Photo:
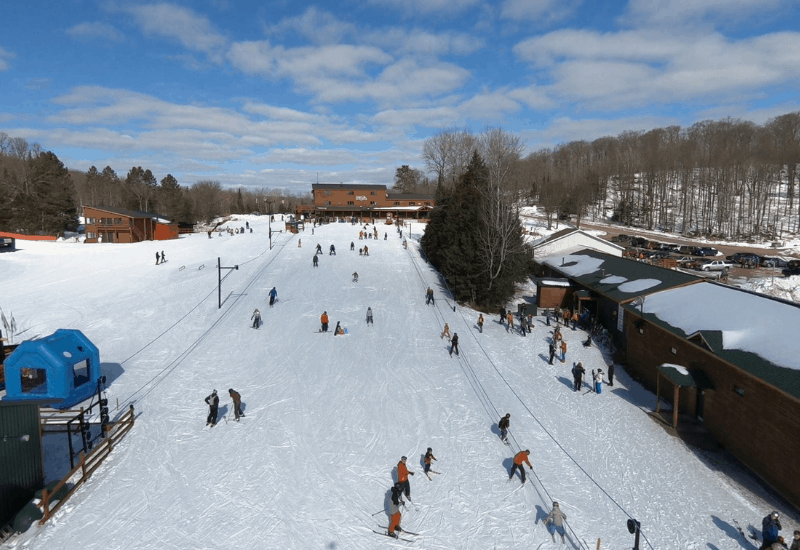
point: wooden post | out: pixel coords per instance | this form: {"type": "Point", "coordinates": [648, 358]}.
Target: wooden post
{"type": "Point", "coordinates": [658, 394]}
{"type": "Point", "coordinates": [675, 404]}
{"type": "Point", "coordinates": [598, 544]}
{"type": "Point", "coordinates": [83, 465]}
{"type": "Point", "coordinates": [45, 504]}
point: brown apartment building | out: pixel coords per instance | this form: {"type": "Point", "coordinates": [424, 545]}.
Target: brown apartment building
{"type": "Point", "coordinates": [117, 225]}
{"type": "Point", "coordinates": [337, 200]}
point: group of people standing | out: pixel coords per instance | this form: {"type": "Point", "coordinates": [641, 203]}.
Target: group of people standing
{"type": "Point", "coordinates": [213, 406]}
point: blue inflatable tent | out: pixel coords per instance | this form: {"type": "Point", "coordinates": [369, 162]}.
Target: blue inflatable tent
{"type": "Point", "coordinates": [62, 368]}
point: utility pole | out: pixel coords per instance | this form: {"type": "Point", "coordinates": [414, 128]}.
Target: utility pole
{"type": "Point", "coordinates": [219, 275]}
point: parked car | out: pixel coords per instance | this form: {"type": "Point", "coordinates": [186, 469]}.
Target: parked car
{"type": "Point", "coordinates": [792, 268]}
{"type": "Point", "coordinates": [686, 261]}
{"type": "Point", "coordinates": [767, 261]}
{"type": "Point", "coordinates": [746, 258]}
{"type": "Point", "coordinates": [686, 249]}
{"type": "Point", "coordinates": [716, 265]}
{"type": "Point", "coordinates": [706, 251]}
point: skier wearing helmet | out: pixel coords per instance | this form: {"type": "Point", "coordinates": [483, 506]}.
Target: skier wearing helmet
{"type": "Point", "coordinates": [556, 520]}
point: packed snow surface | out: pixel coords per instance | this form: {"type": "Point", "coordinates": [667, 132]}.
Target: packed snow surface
{"type": "Point", "coordinates": [328, 417]}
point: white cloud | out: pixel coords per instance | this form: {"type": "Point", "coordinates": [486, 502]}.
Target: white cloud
{"type": "Point", "coordinates": [315, 25]}
{"type": "Point", "coordinates": [311, 157]}
{"type": "Point", "coordinates": [694, 12]}
{"type": "Point", "coordinates": [422, 42]}
{"type": "Point", "coordinates": [542, 11]}
{"type": "Point", "coordinates": [635, 68]}
{"type": "Point", "coordinates": [193, 31]}
{"type": "Point", "coordinates": [489, 106]}
{"type": "Point", "coordinates": [95, 29]}
{"type": "Point", "coordinates": [534, 97]}
{"type": "Point", "coordinates": [428, 6]}
{"type": "Point", "coordinates": [5, 59]}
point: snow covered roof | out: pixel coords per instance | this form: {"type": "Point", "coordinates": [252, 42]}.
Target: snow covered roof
{"type": "Point", "coordinates": [546, 281]}
{"type": "Point", "coordinates": [586, 237]}
{"type": "Point", "coordinates": [754, 332]}
{"type": "Point", "coordinates": [619, 279]}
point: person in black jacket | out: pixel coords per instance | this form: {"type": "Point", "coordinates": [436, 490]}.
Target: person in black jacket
{"type": "Point", "coordinates": [770, 526]}
{"type": "Point", "coordinates": [454, 344]}
{"type": "Point", "coordinates": [504, 424]}
{"type": "Point", "coordinates": [213, 408]}
{"type": "Point", "coordinates": [577, 376]}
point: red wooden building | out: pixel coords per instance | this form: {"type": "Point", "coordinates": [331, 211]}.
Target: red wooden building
{"type": "Point", "coordinates": [117, 225]}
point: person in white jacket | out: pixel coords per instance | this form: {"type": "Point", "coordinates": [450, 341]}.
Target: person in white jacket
{"type": "Point", "coordinates": [598, 380]}
{"type": "Point", "coordinates": [556, 520]}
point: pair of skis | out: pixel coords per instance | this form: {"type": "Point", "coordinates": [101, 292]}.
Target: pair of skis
{"type": "Point", "coordinates": [386, 534]}
{"type": "Point", "coordinates": [430, 472]}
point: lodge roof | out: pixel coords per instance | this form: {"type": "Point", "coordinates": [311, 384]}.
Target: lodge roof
{"type": "Point", "coordinates": [409, 196]}
{"type": "Point", "coordinates": [126, 212]}
{"type": "Point", "coordinates": [761, 336]}
{"type": "Point", "coordinates": [353, 186]}
{"type": "Point", "coordinates": [619, 279]}
{"type": "Point", "coordinates": [569, 231]}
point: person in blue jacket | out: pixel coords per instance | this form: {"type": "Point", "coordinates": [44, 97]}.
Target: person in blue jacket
{"type": "Point", "coordinates": [273, 294]}
{"type": "Point", "coordinates": [770, 526]}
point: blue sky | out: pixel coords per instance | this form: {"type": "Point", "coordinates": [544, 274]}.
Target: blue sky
{"type": "Point", "coordinates": [280, 94]}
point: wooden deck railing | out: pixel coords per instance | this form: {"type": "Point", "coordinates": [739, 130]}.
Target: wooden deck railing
{"type": "Point", "coordinates": [88, 464]}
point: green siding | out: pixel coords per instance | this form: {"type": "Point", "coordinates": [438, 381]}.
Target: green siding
{"type": "Point", "coordinates": [21, 469]}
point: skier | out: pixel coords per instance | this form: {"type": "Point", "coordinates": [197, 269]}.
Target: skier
{"type": "Point", "coordinates": [557, 314]}
{"type": "Point", "coordinates": [256, 318]}
{"type": "Point", "coordinates": [157, 257]}
{"type": "Point", "coordinates": [547, 316]}
{"type": "Point", "coordinates": [598, 380]}
{"type": "Point", "coordinates": [446, 332]}
{"type": "Point", "coordinates": [510, 319]}
{"type": "Point", "coordinates": [480, 323]}
{"type": "Point", "coordinates": [324, 320]}
{"type": "Point", "coordinates": [299, 243]}
{"type": "Point", "coordinates": [611, 374]}
{"type": "Point", "coordinates": [523, 324]}
{"type": "Point", "coordinates": [454, 344]}
{"type": "Point", "coordinates": [213, 408]}
{"type": "Point", "coordinates": [405, 244]}
{"type": "Point", "coordinates": [402, 477]}
{"type": "Point", "coordinates": [369, 316]}
{"type": "Point", "coordinates": [427, 460]}
{"type": "Point", "coordinates": [366, 250]}
{"type": "Point", "coordinates": [504, 424]}
{"type": "Point", "coordinates": [355, 276]}
{"type": "Point", "coordinates": [563, 350]}
{"type": "Point", "coordinates": [552, 350]}
{"type": "Point", "coordinates": [352, 246]}
{"type": "Point", "coordinates": [332, 251]}
{"type": "Point", "coordinates": [237, 403]}
{"type": "Point", "coordinates": [247, 224]}
{"type": "Point", "coordinates": [556, 520]}
{"type": "Point", "coordinates": [577, 376]}
{"type": "Point", "coordinates": [316, 261]}
{"type": "Point", "coordinates": [319, 248]}
{"type": "Point", "coordinates": [385, 236]}
{"type": "Point", "coordinates": [338, 330]}
{"type": "Point", "coordinates": [770, 526]}
{"type": "Point", "coordinates": [429, 296]}
{"type": "Point", "coordinates": [163, 257]}
{"type": "Point", "coordinates": [502, 315]}
{"type": "Point", "coordinates": [273, 294]}
{"type": "Point", "coordinates": [520, 459]}
{"type": "Point", "coordinates": [394, 509]}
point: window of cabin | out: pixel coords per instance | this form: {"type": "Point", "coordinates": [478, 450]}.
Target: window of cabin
{"type": "Point", "coordinates": [373, 203]}
{"type": "Point", "coordinates": [80, 373]}
{"type": "Point", "coordinates": [33, 381]}
{"type": "Point", "coordinates": [373, 193]}
{"type": "Point", "coordinates": [397, 203]}
{"type": "Point", "coordinates": [412, 203]}
{"type": "Point", "coordinates": [351, 193]}
{"type": "Point", "coordinates": [350, 203]}
{"type": "Point", "coordinates": [327, 203]}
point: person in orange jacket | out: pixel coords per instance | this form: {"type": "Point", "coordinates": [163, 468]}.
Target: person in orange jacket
{"type": "Point", "coordinates": [324, 320]}
{"type": "Point", "coordinates": [402, 477]}
{"type": "Point", "coordinates": [394, 510]}
{"type": "Point", "coordinates": [520, 459]}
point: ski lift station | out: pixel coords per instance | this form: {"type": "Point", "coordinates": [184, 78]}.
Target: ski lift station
{"type": "Point", "coordinates": [62, 369]}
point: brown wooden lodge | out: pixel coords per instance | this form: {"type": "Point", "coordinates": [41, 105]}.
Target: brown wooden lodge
{"type": "Point", "coordinates": [365, 202]}
{"type": "Point", "coordinates": [117, 225]}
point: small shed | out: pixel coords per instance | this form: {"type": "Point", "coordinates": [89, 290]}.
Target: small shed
{"type": "Point", "coordinates": [551, 292]}
{"type": "Point", "coordinates": [62, 368]}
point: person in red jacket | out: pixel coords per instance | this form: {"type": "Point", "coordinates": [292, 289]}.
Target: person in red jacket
{"type": "Point", "coordinates": [520, 459]}
{"type": "Point", "coordinates": [402, 477]}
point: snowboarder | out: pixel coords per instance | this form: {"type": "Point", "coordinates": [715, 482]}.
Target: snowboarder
{"type": "Point", "coordinates": [429, 296]}
{"type": "Point", "coordinates": [273, 294]}
{"type": "Point", "coordinates": [454, 344]}
{"type": "Point", "coordinates": [366, 250]}
{"type": "Point", "coordinates": [577, 376]}
{"type": "Point", "coordinates": [213, 408]}
{"type": "Point", "coordinates": [598, 380]}
{"type": "Point", "coordinates": [552, 350]}
{"type": "Point", "coordinates": [157, 257]}
{"type": "Point", "coordinates": [770, 526]}
{"type": "Point", "coordinates": [446, 332]}
{"type": "Point", "coordinates": [163, 257]}
{"type": "Point", "coordinates": [563, 350]}
{"type": "Point", "coordinates": [611, 374]}
{"type": "Point", "coordinates": [556, 520]}
{"type": "Point", "coordinates": [319, 248]}
{"type": "Point", "coordinates": [324, 320]}
{"type": "Point", "coordinates": [355, 276]}
{"type": "Point", "coordinates": [316, 260]}
{"type": "Point", "coordinates": [402, 477]}
{"type": "Point", "coordinates": [237, 403]}
{"type": "Point", "coordinates": [427, 460]}
{"type": "Point", "coordinates": [480, 323]}
{"type": "Point", "coordinates": [369, 316]}
{"type": "Point", "coordinates": [352, 246]}
{"type": "Point", "coordinates": [394, 510]}
{"type": "Point", "coordinates": [504, 424]}
{"type": "Point", "coordinates": [520, 459]}
{"type": "Point", "coordinates": [338, 330]}
{"type": "Point", "coordinates": [256, 318]}
{"type": "Point", "coordinates": [332, 251]}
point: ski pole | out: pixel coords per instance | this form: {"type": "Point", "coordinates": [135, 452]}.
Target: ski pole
{"type": "Point", "coordinates": [378, 512]}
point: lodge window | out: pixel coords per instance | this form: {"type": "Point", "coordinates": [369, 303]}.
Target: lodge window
{"type": "Point", "coordinates": [90, 221]}
{"type": "Point", "coordinates": [117, 221]}
{"type": "Point", "coordinates": [33, 380]}
{"type": "Point", "coordinates": [412, 203]}
{"type": "Point", "coordinates": [350, 203]}
{"type": "Point", "coordinates": [427, 204]}
{"type": "Point", "coordinates": [373, 193]}
{"type": "Point", "coordinates": [351, 192]}
{"type": "Point", "coordinates": [327, 203]}
{"type": "Point", "coordinates": [397, 203]}
{"type": "Point", "coordinates": [373, 203]}
{"type": "Point", "coordinates": [673, 351]}
{"type": "Point", "coordinates": [91, 235]}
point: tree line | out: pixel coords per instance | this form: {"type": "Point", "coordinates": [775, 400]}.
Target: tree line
{"type": "Point", "coordinates": [39, 195]}
{"type": "Point", "coordinates": [727, 179]}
